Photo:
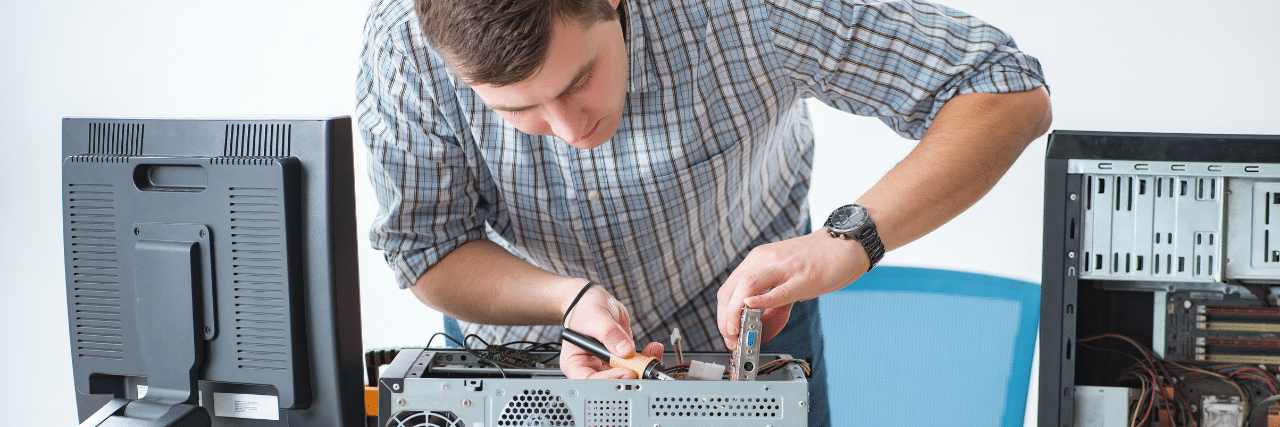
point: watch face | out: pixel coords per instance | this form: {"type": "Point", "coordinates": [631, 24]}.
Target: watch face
{"type": "Point", "coordinates": [847, 217]}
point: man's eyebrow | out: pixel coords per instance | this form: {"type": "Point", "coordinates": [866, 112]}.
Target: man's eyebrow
{"type": "Point", "coordinates": [582, 73]}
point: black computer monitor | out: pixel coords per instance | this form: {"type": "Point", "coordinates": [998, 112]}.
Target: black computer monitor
{"type": "Point", "coordinates": [211, 271]}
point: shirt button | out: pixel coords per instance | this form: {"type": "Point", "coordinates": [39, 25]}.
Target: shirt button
{"type": "Point", "coordinates": [608, 253]}
{"type": "Point", "coordinates": [593, 195]}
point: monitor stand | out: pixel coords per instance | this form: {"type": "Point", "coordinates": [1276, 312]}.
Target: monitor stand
{"type": "Point", "coordinates": [171, 291]}
{"type": "Point", "coordinates": [139, 413]}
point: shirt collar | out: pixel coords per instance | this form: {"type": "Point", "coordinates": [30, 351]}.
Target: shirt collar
{"type": "Point", "coordinates": [641, 76]}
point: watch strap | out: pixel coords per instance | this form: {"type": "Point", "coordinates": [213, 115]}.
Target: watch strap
{"type": "Point", "coordinates": [870, 240]}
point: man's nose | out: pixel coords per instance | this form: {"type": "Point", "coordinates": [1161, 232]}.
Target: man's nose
{"type": "Point", "coordinates": [567, 122]}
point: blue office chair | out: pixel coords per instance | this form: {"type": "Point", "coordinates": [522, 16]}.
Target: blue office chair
{"type": "Point", "coordinates": [924, 347]}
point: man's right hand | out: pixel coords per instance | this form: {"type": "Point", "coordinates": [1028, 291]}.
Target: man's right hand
{"type": "Point", "coordinates": [600, 316]}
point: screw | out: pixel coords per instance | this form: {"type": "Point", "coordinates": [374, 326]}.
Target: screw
{"type": "Point", "coordinates": [208, 330]}
{"type": "Point", "coordinates": [137, 232]}
{"type": "Point", "coordinates": [802, 403]}
{"type": "Point", "coordinates": [573, 392]}
{"type": "Point", "coordinates": [501, 392]}
{"type": "Point", "coordinates": [1186, 304]}
{"type": "Point", "coordinates": [201, 234]}
{"type": "Point", "coordinates": [395, 387]}
{"type": "Point", "coordinates": [1071, 254]}
{"type": "Point", "coordinates": [444, 386]}
{"type": "Point", "coordinates": [466, 402]}
{"type": "Point", "coordinates": [399, 402]}
{"type": "Point", "coordinates": [1073, 197]}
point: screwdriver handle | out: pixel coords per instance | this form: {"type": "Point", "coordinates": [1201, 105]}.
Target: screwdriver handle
{"type": "Point", "coordinates": [642, 365]}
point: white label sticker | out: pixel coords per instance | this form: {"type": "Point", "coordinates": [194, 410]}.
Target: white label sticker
{"type": "Point", "coordinates": [255, 406]}
{"type": "Point", "coordinates": [142, 391]}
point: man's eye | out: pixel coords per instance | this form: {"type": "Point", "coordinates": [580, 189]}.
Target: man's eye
{"type": "Point", "coordinates": [581, 86]}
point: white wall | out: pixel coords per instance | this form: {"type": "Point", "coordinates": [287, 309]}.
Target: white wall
{"type": "Point", "coordinates": [1129, 65]}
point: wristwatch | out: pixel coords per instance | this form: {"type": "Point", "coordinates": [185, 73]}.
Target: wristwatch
{"type": "Point", "coordinates": [852, 221]}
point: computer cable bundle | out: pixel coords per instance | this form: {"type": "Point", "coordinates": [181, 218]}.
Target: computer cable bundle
{"type": "Point", "coordinates": [1157, 376]}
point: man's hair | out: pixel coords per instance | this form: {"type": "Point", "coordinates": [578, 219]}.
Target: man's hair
{"type": "Point", "coordinates": [500, 42]}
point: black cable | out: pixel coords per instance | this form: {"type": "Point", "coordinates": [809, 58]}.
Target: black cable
{"type": "Point", "coordinates": [473, 353]}
{"type": "Point", "coordinates": [575, 301]}
{"type": "Point", "coordinates": [433, 338]}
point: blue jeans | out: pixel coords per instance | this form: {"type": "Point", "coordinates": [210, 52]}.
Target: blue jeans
{"type": "Point", "coordinates": [801, 338]}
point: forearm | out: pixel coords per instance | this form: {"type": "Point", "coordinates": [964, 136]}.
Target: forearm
{"type": "Point", "coordinates": [483, 283]}
{"type": "Point", "coordinates": [973, 141]}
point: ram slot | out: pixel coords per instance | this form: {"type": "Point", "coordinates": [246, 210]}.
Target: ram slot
{"type": "Point", "coordinates": [1238, 319]}
{"type": "Point", "coordinates": [1249, 351]}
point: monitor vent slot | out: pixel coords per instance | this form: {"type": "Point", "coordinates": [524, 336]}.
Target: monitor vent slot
{"type": "Point", "coordinates": [98, 159]}
{"type": "Point", "coordinates": [96, 314]}
{"type": "Point", "coordinates": [608, 413]}
{"type": "Point", "coordinates": [535, 407]}
{"type": "Point", "coordinates": [257, 140]}
{"type": "Point", "coordinates": [715, 407]}
{"type": "Point", "coordinates": [122, 139]}
{"type": "Point", "coordinates": [242, 161]}
{"type": "Point", "coordinates": [259, 291]}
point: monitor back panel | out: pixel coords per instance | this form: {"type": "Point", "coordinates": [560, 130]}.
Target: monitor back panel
{"type": "Point", "coordinates": [268, 208]}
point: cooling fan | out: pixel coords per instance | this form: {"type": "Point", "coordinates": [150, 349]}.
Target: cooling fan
{"type": "Point", "coordinates": [425, 419]}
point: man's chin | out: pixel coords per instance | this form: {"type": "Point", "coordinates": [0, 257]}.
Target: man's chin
{"type": "Point", "coordinates": [588, 144]}
{"type": "Point", "coordinates": [598, 137]}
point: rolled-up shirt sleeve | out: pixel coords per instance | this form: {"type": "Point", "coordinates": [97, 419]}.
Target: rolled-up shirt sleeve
{"type": "Point", "coordinates": [425, 177]}
{"type": "Point", "coordinates": [899, 61]}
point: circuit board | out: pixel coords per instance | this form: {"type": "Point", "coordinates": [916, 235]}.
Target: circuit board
{"type": "Point", "coordinates": [1221, 328]}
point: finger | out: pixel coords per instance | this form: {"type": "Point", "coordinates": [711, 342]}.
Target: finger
{"type": "Point", "coordinates": [623, 319]}
{"type": "Point", "coordinates": [781, 295]}
{"type": "Point", "coordinates": [606, 320]}
{"type": "Point", "coordinates": [729, 312]}
{"type": "Point", "coordinates": [773, 321]}
{"type": "Point", "coordinates": [617, 338]}
{"type": "Point", "coordinates": [723, 298]}
{"type": "Point", "coordinates": [614, 374]}
{"type": "Point", "coordinates": [580, 365]}
{"type": "Point", "coordinates": [748, 286]}
{"type": "Point", "coordinates": [654, 349]}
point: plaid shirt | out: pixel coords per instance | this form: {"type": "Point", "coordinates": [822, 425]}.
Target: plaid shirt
{"type": "Point", "coordinates": [712, 156]}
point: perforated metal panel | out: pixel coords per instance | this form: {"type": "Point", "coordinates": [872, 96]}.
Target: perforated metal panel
{"type": "Point", "coordinates": [441, 380]}
{"type": "Point", "coordinates": [608, 413]}
{"type": "Point", "coordinates": [697, 407]}
{"type": "Point", "coordinates": [537, 407]}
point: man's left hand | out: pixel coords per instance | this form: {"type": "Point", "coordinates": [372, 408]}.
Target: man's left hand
{"type": "Point", "coordinates": [791, 270]}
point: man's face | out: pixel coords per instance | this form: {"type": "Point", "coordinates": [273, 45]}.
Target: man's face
{"type": "Point", "coordinates": [578, 93]}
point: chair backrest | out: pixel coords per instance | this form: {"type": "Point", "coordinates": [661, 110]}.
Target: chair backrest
{"type": "Point", "coordinates": [923, 347]}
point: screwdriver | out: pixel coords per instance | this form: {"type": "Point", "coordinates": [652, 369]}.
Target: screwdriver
{"type": "Point", "coordinates": [643, 366]}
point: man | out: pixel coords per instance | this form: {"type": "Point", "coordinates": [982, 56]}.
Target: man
{"type": "Point", "coordinates": [661, 149]}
